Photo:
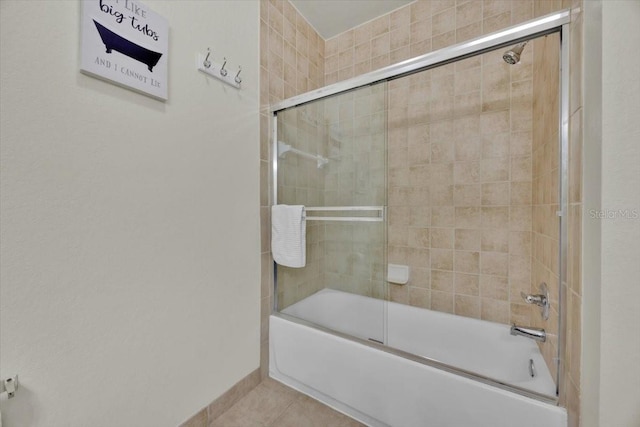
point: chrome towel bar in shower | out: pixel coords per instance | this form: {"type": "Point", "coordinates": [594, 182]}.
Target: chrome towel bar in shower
{"type": "Point", "coordinates": [379, 210]}
{"type": "Point", "coordinates": [286, 148]}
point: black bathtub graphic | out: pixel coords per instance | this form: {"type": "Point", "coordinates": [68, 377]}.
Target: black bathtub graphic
{"type": "Point", "coordinates": [113, 41]}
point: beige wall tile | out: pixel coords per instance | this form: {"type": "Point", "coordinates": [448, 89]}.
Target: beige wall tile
{"type": "Point", "coordinates": [362, 34]}
{"type": "Point", "coordinates": [468, 13]}
{"type": "Point", "coordinates": [419, 297]}
{"type": "Point", "coordinates": [520, 313]}
{"type": "Point", "coordinates": [400, 54]}
{"type": "Point", "coordinates": [441, 194]}
{"type": "Point", "coordinates": [494, 122]}
{"type": "Point", "coordinates": [574, 336]}
{"type": "Point", "coordinates": [441, 152]}
{"type": "Point", "coordinates": [442, 238]}
{"type": "Point", "coordinates": [521, 11]}
{"type": "Point", "coordinates": [380, 45]}
{"type": "Point", "coordinates": [521, 193]}
{"type": "Point", "coordinates": [521, 168]}
{"type": "Point", "coordinates": [418, 257]}
{"type": "Point", "coordinates": [495, 240]}
{"type": "Point", "coordinates": [421, 48]}
{"type": "Point", "coordinates": [575, 158]}
{"type": "Point", "coordinates": [495, 145]}
{"type": "Point", "coordinates": [380, 26]}
{"type": "Point", "coordinates": [520, 218]}
{"type": "Point", "coordinates": [494, 310]}
{"type": "Point", "coordinates": [400, 18]}
{"type": "Point", "coordinates": [467, 103]}
{"type": "Point", "coordinates": [468, 217]}
{"type": "Point", "coordinates": [399, 293]}
{"type": "Point", "coordinates": [420, 31]}
{"type": "Point", "coordinates": [466, 284]}
{"type": "Point", "coordinates": [496, 193]}
{"type": "Point", "coordinates": [495, 217]}
{"type": "Point", "coordinates": [442, 259]}
{"type": "Point", "coordinates": [495, 7]}
{"type": "Point", "coordinates": [467, 306]}
{"type": "Point", "coordinates": [494, 287]}
{"type": "Point", "coordinates": [442, 281]}
{"type": "Point", "coordinates": [466, 261]}
{"type": "Point", "coordinates": [466, 239]}
{"type": "Point", "coordinates": [346, 41]}
{"type": "Point", "coordinates": [469, 32]}
{"type": "Point", "coordinates": [466, 172]}
{"type": "Point", "coordinates": [521, 143]}
{"type": "Point", "coordinates": [494, 263]}
{"type": "Point", "coordinates": [443, 40]}
{"type": "Point", "coordinates": [420, 217]}
{"type": "Point", "coordinates": [467, 195]}
{"type": "Point", "coordinates": [443, 21]}
{"type": "Point", "coordinates": [442, 301]}
{"type": "Point", "coordinates": [420, 10]}
{"type": "Point", "coordinates": [420, 278]}
{"type": "Point", "coordinates": [496, 22]}
{"type": "Point", "coordinates": [467, 149]}
{"type": "Point", "coordinates": [494, 169]}
{"type": "Point", "coordinates": [444, 216]}
{"type": "Point", "coordinates": [400, 37]}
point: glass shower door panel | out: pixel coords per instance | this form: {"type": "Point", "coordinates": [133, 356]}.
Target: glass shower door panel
{"type": "Point", "coordinates": [342, 286]}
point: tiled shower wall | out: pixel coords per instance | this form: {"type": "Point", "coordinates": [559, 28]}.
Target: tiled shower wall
{"type": "Point", "coordinates": [545, 247]}
{"type": "Point", "coordinates": [459, 156]}
{"type": "Point", "coordinates": [416, 29]}
{"type": "Point", "coordinates": [350, 131]}
{"type": "Point", "coordinates": [291, 63]}
{"type": "Point", "coordinates": [460, 186]}
{"type": "Point", "coordinates": [424, 26]}
{"type": "Point", "coordinates": [301, 182]}
{"type": "Point", "coordinates": [355, 175]}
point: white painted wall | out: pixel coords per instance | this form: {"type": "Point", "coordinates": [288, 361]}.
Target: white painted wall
{"type": "Point", "coordinates": [591, 227]}
{"type": "Point", "coordinates": [620, 327]}
{"type": "Point", "coordinates": [129, 227]}
{"type": "Point", "coordinates": [611, 373]}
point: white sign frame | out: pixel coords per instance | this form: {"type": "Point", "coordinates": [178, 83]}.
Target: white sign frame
{"type": "Point", "coordinates": [126, 43]}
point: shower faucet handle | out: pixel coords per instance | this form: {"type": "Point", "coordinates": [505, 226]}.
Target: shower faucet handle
{"type": "Point", "coordinates": [541, 300]}
{"type": "Point", "coordinates": [534, 299]}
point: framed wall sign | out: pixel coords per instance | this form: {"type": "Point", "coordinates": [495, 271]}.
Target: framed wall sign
{"type": "Point", "coordinates": [126, 43]}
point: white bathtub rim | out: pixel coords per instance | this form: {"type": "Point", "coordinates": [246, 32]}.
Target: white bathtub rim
{"type": "Point", "coordinates": [543, 398]}
{"type": "Point", "coordinates": [551, 415]}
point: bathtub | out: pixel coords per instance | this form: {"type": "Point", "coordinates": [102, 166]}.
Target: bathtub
{"type": "Point", "coordinates": [380, 387]}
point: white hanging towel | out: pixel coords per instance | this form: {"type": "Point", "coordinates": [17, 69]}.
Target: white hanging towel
{"type": "Point", "coordinates": [288, 235]}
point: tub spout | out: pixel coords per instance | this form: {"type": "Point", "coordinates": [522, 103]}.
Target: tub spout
{"type": "Point", "coordinates": [533, 333]}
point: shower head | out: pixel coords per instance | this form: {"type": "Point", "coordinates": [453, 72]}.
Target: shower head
{"type": "Point", "coordinates": [512, 56]}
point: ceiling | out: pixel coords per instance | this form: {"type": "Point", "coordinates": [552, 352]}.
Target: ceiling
{"type": "Point", "coordinates": [332, 17]}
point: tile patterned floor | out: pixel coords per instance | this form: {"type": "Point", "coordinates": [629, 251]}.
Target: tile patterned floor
{"type": "Point", "coordinates": [271, 404]}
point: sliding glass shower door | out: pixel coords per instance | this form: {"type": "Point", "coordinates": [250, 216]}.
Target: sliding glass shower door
{"type": "Point", "coordinates": [454, 168]}
{"type": "Point", "coordinates": [332, 159]}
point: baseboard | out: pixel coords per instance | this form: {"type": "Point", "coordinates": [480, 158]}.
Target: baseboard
{"type": "Point", "coordinates": [229, 398]}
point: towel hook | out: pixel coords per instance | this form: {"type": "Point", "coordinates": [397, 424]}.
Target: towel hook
{"type": "Point", "coordinates": [206, 62]}
{"type": "Point", "coordinates": [9, 386]}
{"type": "Point", "coordinates": [238, 79]}
{"type": "Point", "coordinates": [223, 72]}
